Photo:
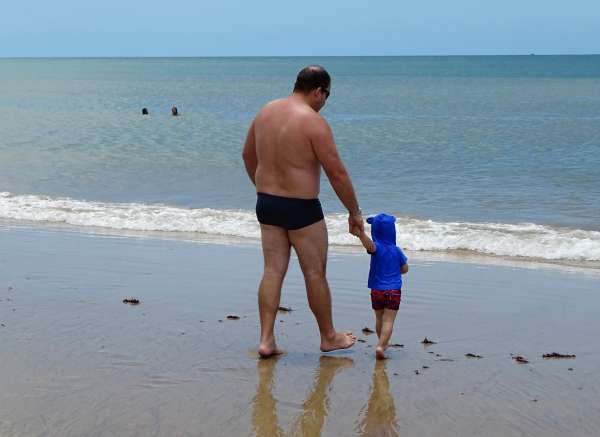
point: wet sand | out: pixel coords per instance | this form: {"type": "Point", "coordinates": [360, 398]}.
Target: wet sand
{"type": "Point", "coordinates": [75, 360]}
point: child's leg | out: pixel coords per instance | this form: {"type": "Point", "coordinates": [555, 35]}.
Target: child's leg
{"type": "Point", "coordinates": [387, 326]}
{"type": "Point", "coordinates": [378, 321]}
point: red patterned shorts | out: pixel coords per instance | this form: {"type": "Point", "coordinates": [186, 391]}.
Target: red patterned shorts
{"type": "Point", "coordinates": [389, 299]}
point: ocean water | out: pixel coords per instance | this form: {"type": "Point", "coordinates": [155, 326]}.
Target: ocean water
{"type": "Point", "coordinates": [494, 155]}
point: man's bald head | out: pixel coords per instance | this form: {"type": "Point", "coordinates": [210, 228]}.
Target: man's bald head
{"type": "Point", "coordinates": [312, 77]}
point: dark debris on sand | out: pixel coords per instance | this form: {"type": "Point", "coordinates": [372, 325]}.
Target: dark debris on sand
{"type": "Point", "coordinates": [396, 345]}
{"type": "Point", "coordinates": [285, 309]}
{"type": "Point", "coordinates": [367, 331]}
{"type": "Point", "coordinates": [361, 340]}
{"type": "Point", "coordinates": [556, 355]}
{"type": "Point", "coordinates": [427, 341]}
{"type": "Point", "coordinates": [131, 301]}
{"type": "Point", "coordinates": [233, 317]}
{"type": "Point", "coordinates": [470, 355]}
{"type": "Point", "coordinates": [520, 359]}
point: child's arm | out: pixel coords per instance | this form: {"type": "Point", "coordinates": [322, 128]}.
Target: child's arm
{"type": "Point", "coordinates": [403, 262]}
{"type": "Point", "coordinates": [366, 242]}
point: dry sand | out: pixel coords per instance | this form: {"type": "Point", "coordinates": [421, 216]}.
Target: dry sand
{"type": "Point", "coordinates": [75, 360]}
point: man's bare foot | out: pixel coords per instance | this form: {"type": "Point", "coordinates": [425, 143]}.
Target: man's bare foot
{"type": "Point", "coordinates": [380, 353]}
{"type": "Point", "coordinates": [341, 340]}
{"type": "Point", "coordinates": [266, 350]}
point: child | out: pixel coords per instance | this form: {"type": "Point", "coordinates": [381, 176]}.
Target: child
{"type": "Point", "coordinates": [388, 264]}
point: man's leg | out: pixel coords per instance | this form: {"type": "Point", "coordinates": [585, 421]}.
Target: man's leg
{"type": "Point", "coordinates": [276, 252]}
{"type": "Point", "coordinates": [387, 326]}
{"type": "Point", "coordinates": [311, 244]}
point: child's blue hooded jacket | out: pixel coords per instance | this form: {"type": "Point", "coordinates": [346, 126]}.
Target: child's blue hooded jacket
{"type": "Point", "coordinates": [388, 258]}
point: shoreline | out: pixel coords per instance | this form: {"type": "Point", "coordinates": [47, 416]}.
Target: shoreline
{"type": "Point", "coordinates": [455, 256]}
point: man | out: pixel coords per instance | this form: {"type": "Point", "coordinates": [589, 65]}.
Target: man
{"type": "Point", "coordinates": [287, 144]}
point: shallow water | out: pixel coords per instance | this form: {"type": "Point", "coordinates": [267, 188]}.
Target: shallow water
{"type": "Point", "coordinates": [75, 360]}
{"type": "Point", "coordinates": [495, 155]}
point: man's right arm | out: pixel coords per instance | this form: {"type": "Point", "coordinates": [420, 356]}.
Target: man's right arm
{"type": "Point", "coordinates": [326, 151]}
{"type": "Point", "coordinates": [249, 154]}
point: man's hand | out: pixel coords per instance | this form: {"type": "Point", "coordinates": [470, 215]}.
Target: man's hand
{"type": "Point", "coordinates": [356, 225]}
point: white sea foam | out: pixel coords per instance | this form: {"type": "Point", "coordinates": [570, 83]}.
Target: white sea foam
{"type": "Point", "coordinates": [513, 240]}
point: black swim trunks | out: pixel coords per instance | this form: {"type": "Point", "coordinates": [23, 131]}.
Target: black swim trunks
{"type": "Point", "coordinates": [287, 212]}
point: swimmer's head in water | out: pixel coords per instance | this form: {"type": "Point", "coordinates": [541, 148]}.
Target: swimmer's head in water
{"type": "Point", "coordinates": [174, 111]}
{"type": "Point", "coordinates": [144, 111]}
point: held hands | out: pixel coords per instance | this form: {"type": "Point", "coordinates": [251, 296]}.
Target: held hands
{"type": "Point", "coordinates": [356, 231]}
{"type": "Point", "coordinates": [357, 228]}
{"type": "Point", "coordinates": [356, 225]}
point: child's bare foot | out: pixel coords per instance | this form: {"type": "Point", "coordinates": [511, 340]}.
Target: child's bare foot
{"type": "Point", "coordinates": [269, 349]}
{"type": "Point", "coordinates": [340, 340]}
{"type": "Point", "coordinates": [380, 353]}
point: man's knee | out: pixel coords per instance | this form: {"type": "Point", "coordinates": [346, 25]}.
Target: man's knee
{"type": "Point", "coordinates": [315, 273]}
{"type": "Point", "coordinates": [276, 273]}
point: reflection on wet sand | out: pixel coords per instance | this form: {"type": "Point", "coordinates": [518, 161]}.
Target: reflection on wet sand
{"type": "Point", "coordinates": [379, 415]}
{"type": "Point", "coordinates": [314, 409]}
{"type": "Point", "coordinates": [264, 412]}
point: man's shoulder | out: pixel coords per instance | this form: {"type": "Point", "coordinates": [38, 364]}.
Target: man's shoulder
{"type": "Point", "coordinates": [315, 125]}
{"type": "Point", "coordinates": [269, 106]}
{"type": "Point", "coordinates": [311, 121]}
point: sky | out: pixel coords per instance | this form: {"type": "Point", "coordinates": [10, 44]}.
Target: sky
{"type": "Point", "coordinates": [67, 28]}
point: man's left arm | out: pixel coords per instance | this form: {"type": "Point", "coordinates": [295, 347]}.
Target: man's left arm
{"type": "Point", "coordinates": [249, 154]}
{"type": "Point", "coordinates": [326, 152]}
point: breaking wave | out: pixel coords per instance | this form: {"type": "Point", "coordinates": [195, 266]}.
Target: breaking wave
{"type": "Point", "coordinates": [501, 239]}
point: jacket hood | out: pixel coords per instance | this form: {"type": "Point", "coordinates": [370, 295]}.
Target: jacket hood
{"type": "Point", "coordinates": [383, 228]}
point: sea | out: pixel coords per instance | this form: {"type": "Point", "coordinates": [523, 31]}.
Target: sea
{"type": "Point", "coordinates": [496, 156]}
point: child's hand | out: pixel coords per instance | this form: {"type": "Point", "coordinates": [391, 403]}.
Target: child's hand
{"type": "Point", "coordinates": [355, 231]}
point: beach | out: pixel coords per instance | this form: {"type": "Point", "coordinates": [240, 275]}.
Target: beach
{"type": "Point", "coordinates": [75, 360]}
{"type": "Point", "coordinates": [489, 163]}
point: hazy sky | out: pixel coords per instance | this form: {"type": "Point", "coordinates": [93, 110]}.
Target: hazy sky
{"type": "Point", "coordinates": [299, 27]}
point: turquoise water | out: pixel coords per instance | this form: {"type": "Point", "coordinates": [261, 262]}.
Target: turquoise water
{"type": "Point", "coordinates": [498, 139]}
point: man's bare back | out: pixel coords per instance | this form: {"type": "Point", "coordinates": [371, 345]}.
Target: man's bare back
{"type": "Point", "coordinates": [286, 146]}
{"type": "Point", "coordinates": [287, 164]}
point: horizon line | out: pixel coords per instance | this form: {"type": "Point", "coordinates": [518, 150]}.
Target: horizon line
{"type": "Point", "coordinates": [295, 56]}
